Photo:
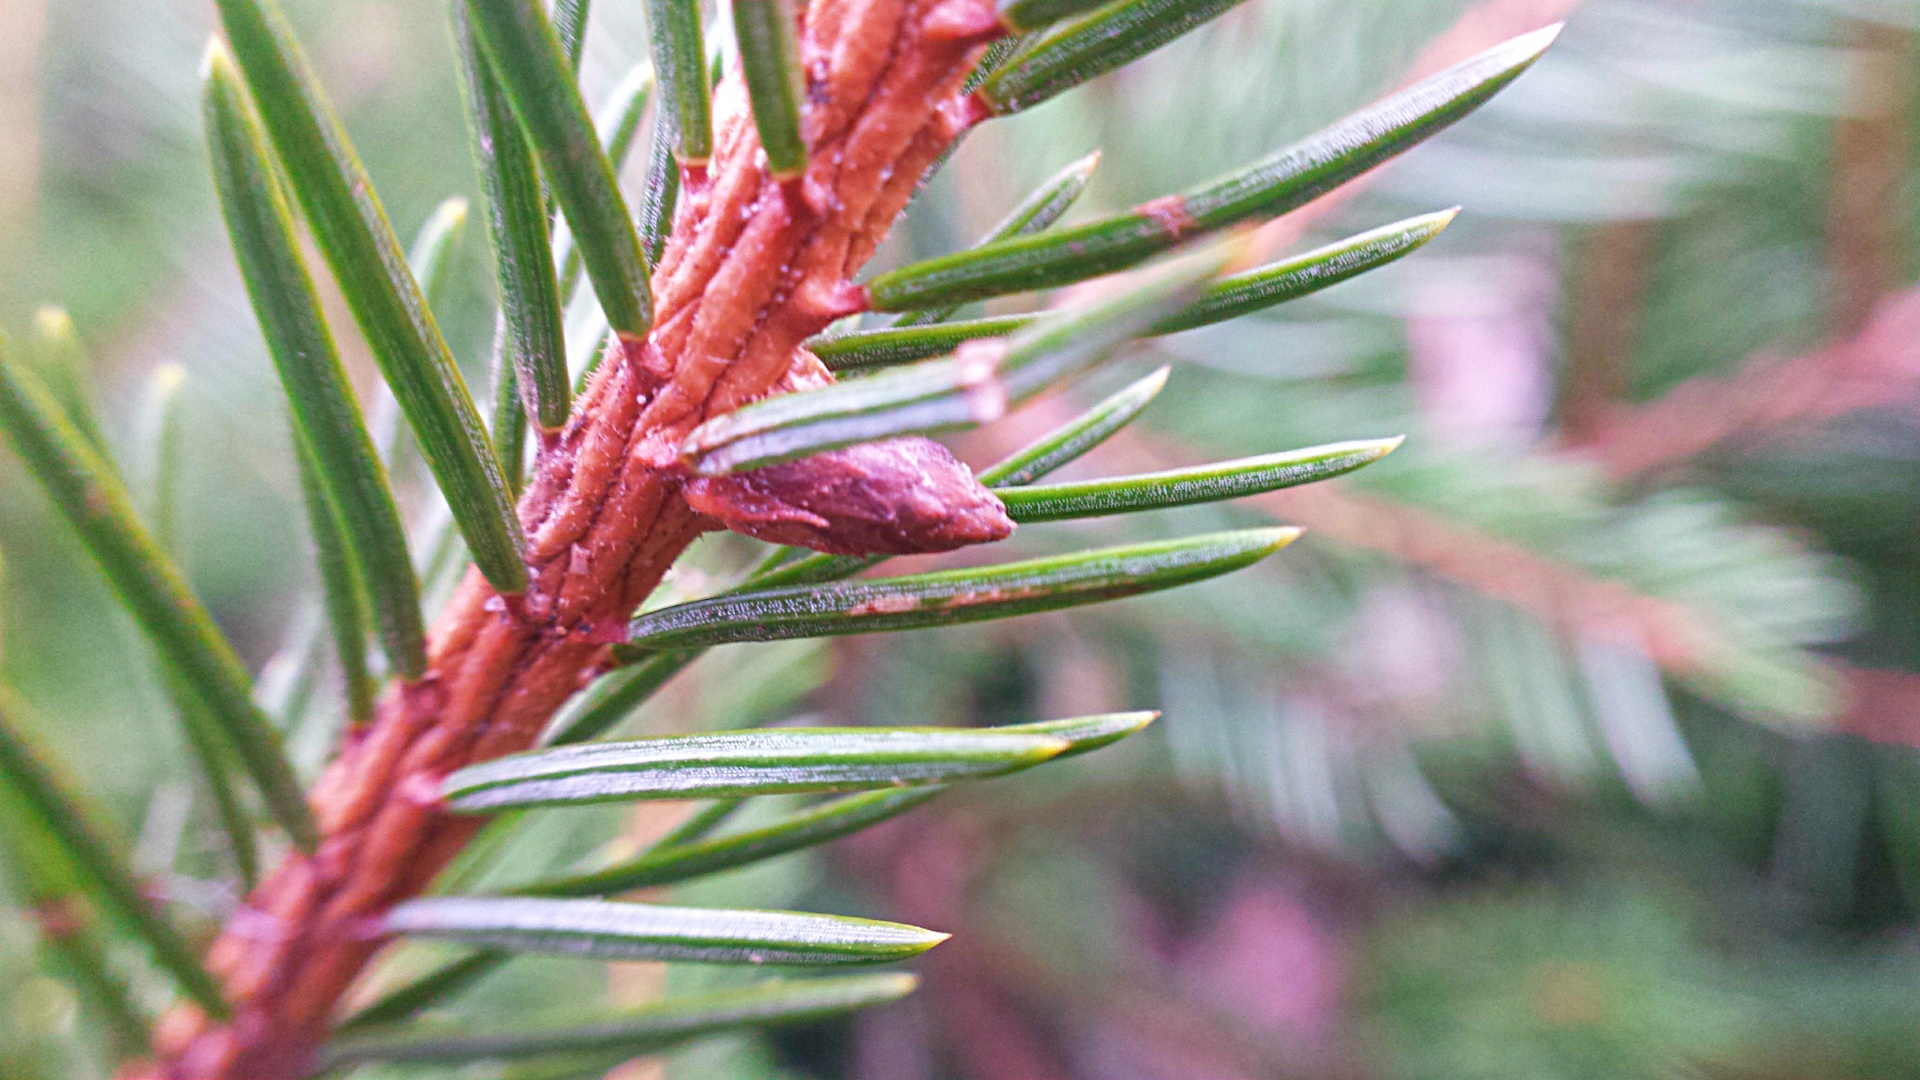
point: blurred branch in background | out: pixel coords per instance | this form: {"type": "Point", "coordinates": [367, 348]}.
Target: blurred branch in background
{"type": "Point", "coordinates": [1614, 263]}
{"type": "Point", "coordinates": [1879, 365]}
{"type": "Point", "coordinates": [1872, 148]}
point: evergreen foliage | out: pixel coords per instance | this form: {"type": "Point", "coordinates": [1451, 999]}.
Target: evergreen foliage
{"type": "Point", "coordinates": [1510, 644]}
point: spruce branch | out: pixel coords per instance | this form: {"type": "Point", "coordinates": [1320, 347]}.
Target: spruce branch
{"type": "Point", "coordinates": [790, 174]}
{"type": "Point", "coordinates": [1880, 364]}
{"type": "Point", "coordinates": [752, 268]}
{"type": "Point", "coordinates": [1881, 705]}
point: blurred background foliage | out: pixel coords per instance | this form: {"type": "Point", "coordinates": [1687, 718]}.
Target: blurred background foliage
{"type": "Point", "coordinates": [1576, 740]}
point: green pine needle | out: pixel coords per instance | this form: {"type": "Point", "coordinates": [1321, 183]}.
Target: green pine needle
{"type": "Point", "coordinates": [348, 222]}
{"type": "Point", "coordinates": [1282, 181]}
{"type": "Point", "coordinates": [31, 787]}
{"type": "Point", "coordinates": [1068, 54]}
{"type": "Point", "coordinates": [605, 930]}
{"type": "Point", "coordinates": [1076, 437]}
{"type": "Point", "coordinates": [1085, 734]}
{"type": "Point", "coordinates": [661, 188]}
{"type": "Point", "coordinates": [617, 122]}
{"type": "Point", "coordinates": [700, 823]}
{"type": "Point", "coordinates": [87, 493]}
{"type": "Point", "coordinates": [203, 735]}
{"type": "Point", "coordinates": [1228, 298]}
{"type": "Point", "coordinates": [40, 876]}
{"type": "Point", "coordinates": [431, 255]}
{"type": "Point", "coordinates": [340, 586]}
{"type": "Point", "coordinates": [1022, 16]}
{"type": "Point", "coordinates": [680, 63]}
{"type": "Point", "coordinates": [61, 364]}
{"type": "Point", "coordinates": [526, 56]}
{"type": "Point", "coordinates": [79, 957]}
{"type": "Point", "coordinates": [407, 1000]}
{"type": "Point", "coordinates": [947, 597]}
{"type": "Point", "coordinates": [509, 426]}
{"type": "Point", "coordinates": [670, 863]}
{"type": "Point", "coordinates": [629, 1032]}
{"type": "Point", "coordinates": [431, 259]}
{"type": "Point", "coordinates": [737, 764]}
{"type": "Point", "coordinates": [907, 342]}
{"type": "Point", "coordinates": [765, 32]}
{"type": "Point", "coordinates": [1041, 208]}
{"type": "Point", "coordinates": [534, 343]}
{"type": "Point", "coordinates": [1307, 273]}
{"type": "Point", "coordinates": [570, 26]}
{"type": "Point", "coordinates": [686, 855]}
{"type": "Point", "coordinates": [1191, 486]}
{"type": "Point", "coordinates": [335, 444]}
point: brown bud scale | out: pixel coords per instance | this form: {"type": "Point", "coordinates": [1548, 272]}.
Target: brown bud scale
{"type": "Point", "coordinates": [903, 496]}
